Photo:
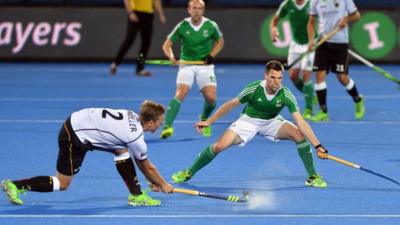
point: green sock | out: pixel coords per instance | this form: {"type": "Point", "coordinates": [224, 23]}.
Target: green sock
{"type": "Point", "coordinates": [308, 90]}
{"type": "Point", "coordinates": [204, 158]}
{"type": "Point", "coordinates": [304, 150]}
{"type": "Point", "coordinates": [173, 109]}
{"type": "Point", "coordinates": [207, 109]}
{"type": "Point", "coordinates": [299, 84]}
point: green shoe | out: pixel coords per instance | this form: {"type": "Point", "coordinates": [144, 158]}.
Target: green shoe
{"type": "Point", "coordinates": [307, 114]}
{"type": "Point", "coordinates": [360, 109]}
{"type": "Point", "coordinates": [181, 176]}
{"type": "Point", "coordinates": [167, 132]}
{"type": "Point", "coordinates": [316, 181]}
{"type": "Point", "coordinates": [206, 131]}
{"type": "Point", "coordinates": [12, 192]}
{"type": "Point", "coordinates": [142, 200]}
{"type": "Point", "coordinates": [320, 117]}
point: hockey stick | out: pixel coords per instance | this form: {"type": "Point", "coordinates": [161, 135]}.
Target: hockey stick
{"type": "Point", "coordinates": [169, 62]}
{"type": "Point", "coordinates": [347, 163]}
{"type": "Point", "coordinates": [231, 198]}
{"type": "Point", "coordinates": [319, 43]}
{"type": "Point", "coordinates": [374, 67]}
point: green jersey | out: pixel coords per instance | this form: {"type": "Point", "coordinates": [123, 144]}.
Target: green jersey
{"type": "Point", "coordinates": [298, 18]}
{"type": "Point", "coordinates": [263, 106]}
{"type": "Point", "coordinates": [196, 41]}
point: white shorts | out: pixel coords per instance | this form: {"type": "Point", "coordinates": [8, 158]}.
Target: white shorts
{"type": "Point", "coordinates": [247, 127]}
{"type": "Point", "coordinates": [295, 50]}
{"type": "Point", "coordinates": [204, 75]}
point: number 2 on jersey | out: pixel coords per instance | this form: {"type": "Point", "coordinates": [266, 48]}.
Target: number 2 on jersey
{"type": "Point", "coordinates": [105, 113]}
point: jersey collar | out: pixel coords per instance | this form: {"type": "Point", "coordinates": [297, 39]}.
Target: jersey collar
{"type": "Point", "coordinates": [299, 7]}
{"type": "Point", "coordinates": [196, 28]}
{"type": "Point", "coordinates": [268, 96]}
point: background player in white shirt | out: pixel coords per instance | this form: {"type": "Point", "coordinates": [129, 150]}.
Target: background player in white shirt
{"type": "Point", "coordinates": [119, 132]}
{"type": "Point", "coordinates": [332, 55]}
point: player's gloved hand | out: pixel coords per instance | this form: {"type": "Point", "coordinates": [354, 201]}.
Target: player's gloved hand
{"type": "Point", "coordinates": [208, 60]}
{"type": "Point", "coordinates": [322, 152]}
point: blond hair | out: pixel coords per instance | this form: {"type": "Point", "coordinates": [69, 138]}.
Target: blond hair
{"type": "Point", "coordinates": [151, 111]}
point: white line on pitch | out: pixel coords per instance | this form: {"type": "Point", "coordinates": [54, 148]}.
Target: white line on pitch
{"type": "Point", "coordinates": [206, 216]}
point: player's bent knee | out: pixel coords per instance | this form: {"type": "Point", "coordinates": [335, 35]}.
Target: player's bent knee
{"type": "Point", "coordinates": [218, 147]}
{"type": "Point", "coordinates": [297, 135]}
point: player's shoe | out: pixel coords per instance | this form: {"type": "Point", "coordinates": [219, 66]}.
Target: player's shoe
{"type": "Point", "coordinates": [181, 176]}
{"type": "Point", "coordinates": [360, 109]}
{"type": "Point", "coordinates": [142, 200]}
{"type": "Point", "coordinates": [206, 130]}
{"type": "Point", "coordinates": [307, 114]}
{"type": "Point", "coordinates": [316, 181]}
{"type": "Point", "coordinates": [167, 132]}
{"type": "Point", "coordinates": [320, 117]}
{"type": "Point", "coordinates": [12, 192]}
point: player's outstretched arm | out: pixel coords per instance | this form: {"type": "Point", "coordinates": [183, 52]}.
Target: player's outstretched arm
{"type": "Point", "coordinates": [306, 130]}
{"type": "Point", "coordinates": [152, 174]}
{"type": "Point", "coordinates": [221, 111]}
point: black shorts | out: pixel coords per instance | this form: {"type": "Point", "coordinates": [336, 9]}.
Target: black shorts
{"type": "Point", "coordinates": [71, 150]}
{"type": "Point", "coordinates": [332, 57]}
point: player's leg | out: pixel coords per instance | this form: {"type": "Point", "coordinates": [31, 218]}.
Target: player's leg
{"type": "Point", "coordinates": [308, 87]}
{"type": "Point", "coordinates": [126, 169]}
{"type": "Point", "coordinates": [207, 155]}
{"type": "Point", "coordinates": [146, 32]}
{"type": "Point", "coordinates": [289, 131]}
{"type": "Point", "coordinates": [131, 31]}
{"type": "Point", "coordinates": [70, 158]}
{"type": "Point", "coordinates": [294, 53]}
{"type": "Point", "coordinates": [321, 64]}
{"type": "Point", "coordinates": [207, 82]}
{"type": "Point", "coordinates": [341, 68]}
{"type": "Point", "coordinates": [184, 82]}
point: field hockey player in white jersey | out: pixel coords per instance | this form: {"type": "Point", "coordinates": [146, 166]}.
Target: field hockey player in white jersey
{"type": "Point", "coordinates": [117, 131]}
{"type": "Point", "coordinates": [332, 55]}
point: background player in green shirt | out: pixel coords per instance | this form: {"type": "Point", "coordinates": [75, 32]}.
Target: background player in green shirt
{"type": "Point", "coordinates": [201, 40]}
{"type": "Point", "coordinates": [263, 99]}
{"type": "Point", "coordinates": [296, 11]}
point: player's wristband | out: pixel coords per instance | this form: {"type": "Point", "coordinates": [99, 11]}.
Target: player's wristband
{"type": "Point", "coordinates": [317, 146]}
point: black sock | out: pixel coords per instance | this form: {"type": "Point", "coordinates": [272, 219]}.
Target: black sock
{"type": "Point", "coordinates": [127, 171]}
{"type": "Point", "coordinates": [321, 94]}
{"type": "Point", "coordinates": [354, 94]}
{"type": "Point", "coordinates": [38, 184]}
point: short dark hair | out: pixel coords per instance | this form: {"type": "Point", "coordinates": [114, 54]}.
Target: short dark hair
{"type": "Point", "coordinates": [275, 65]}
{"type": "Point", "coordinates": [151, 111]}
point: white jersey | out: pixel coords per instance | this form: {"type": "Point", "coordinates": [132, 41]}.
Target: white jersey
{"type": "Point", "coordinates": [329, 13]}
{"type": "Point", "coordinates": [110, 129]}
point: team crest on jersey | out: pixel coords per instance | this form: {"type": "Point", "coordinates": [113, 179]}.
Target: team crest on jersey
{"type": "Point", "coordinates": [205, 33]}
{"type": "Point", "coordinates": [278, 103]}
{"type": "Point", "coordinates": [187, 32]}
